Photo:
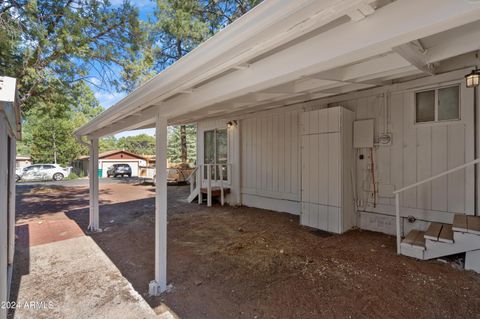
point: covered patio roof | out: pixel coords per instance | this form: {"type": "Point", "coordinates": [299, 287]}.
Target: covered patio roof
{"type": "Point", "coordinates": [286, 52]}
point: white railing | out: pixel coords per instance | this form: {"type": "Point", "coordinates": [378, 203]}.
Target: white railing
{"type": "Point", "coordinates": [197, 178]}
{"type": "Point", "coordinates": [401, 190]}
{"type": "Point", "coordinates": [192, 180]}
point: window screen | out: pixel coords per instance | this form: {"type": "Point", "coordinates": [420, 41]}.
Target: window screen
{"type": "Point", "coordinates": [448, 103]}
{"type": "Point", "coordinates": [425, 106]}
{"type": "Point", "coordinates": [437, 105]}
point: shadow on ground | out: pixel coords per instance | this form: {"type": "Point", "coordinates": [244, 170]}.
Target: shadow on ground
{"type": "Point", "coordinates": [226, 262]}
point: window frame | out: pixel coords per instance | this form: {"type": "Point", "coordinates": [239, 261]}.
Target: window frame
{"type": "Point", "coordinates": [436, 89]}
{"type": "Point", "coordinates": [215, 155]}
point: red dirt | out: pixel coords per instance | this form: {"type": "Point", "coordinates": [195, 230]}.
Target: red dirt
{"type": "Point", "coordinates": [228, 262]}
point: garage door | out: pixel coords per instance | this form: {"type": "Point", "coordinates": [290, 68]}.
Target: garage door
{"type": "Point", "coordinates": [106, 165]}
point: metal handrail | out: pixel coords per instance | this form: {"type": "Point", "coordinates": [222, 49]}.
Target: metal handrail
{"type": "Point", "coordinates": [398, 191]}
{"type": "Point", "coordinates": [437, 176]}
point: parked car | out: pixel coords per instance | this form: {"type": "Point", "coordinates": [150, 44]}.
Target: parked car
{"type": "Point", "coordinates": [119, 170]}
{"type": "Point", "coordinates": [42, 172]}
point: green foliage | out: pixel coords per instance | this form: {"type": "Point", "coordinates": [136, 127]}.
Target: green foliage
{"type": "Point", "coordinates": [174, 154]}
{"type": "Point", "coordinates": [108, 143]}
{"type": "Point", "coordinates": [74, 176]}
{"type": "Point", "coordinates": [48, 128]}
{"type": "Point", "coordinates": [55, 47]}
{"type": "Point", "coordinates": [52, 45]}
{"type": "Point", "coordinates": [142, 144]}
{"type": "Point", "coordinates": [181, 25]}
{"type": "Point", "coordinates": [139, 144]}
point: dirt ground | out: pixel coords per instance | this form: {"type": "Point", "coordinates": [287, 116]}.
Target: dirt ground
{"type": "Point", "coordinates": [226, 262]}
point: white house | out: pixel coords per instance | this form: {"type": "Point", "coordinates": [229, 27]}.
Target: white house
{"type": "Point", "coordinates": [348, 113]}
{"type": "Point", "coordinates": [10, 131]}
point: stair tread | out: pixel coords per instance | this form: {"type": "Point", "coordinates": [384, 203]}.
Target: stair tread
{"type": "Point", "coordinates": [415, 238]}
{"type": "Point", "coordinates": [460, 222]}
{"type": "Point", "coordinates": [433, 231]}
{"type": "Point", "coordinates": [446, 234]}
{"type": "Point", "coordinates": [466, 223]}
{"type": "Point", "coordinates": [473, 224]}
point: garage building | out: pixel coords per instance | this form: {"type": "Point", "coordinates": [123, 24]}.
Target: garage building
{"type": "Point", "coordinates": [107, 159]}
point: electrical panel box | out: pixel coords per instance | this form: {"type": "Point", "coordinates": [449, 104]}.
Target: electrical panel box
{"type": "Point", "coordinates": [363, 133]}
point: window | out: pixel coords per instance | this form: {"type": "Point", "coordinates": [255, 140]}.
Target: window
{"type": "Point", "coordinates": [216, 151]}
{"type": "Point", "coordinates": [437, 105]}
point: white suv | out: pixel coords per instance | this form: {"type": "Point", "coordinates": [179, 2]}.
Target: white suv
{"type": "Point", "coordinates": [42, 172]}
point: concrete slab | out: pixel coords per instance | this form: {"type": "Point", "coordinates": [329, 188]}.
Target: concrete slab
{"type": "Point", "coordinates": [74, 279]}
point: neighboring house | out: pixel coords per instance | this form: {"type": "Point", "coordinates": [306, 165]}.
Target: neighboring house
{"type": "Point", "coordinates": [10, 132]}
{"type": "Point", "coordinates": [107, 159]}
{"type": "Point", "coordinates": [22, 161]}
{"type": "Point", "coordinates": [337, 111]}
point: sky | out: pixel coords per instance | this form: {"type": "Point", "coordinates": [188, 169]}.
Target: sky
{"type": "Point", "coordinates": [108, 97]}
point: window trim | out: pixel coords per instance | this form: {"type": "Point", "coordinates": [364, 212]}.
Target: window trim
{"type": "Point", "coordinates": [436, 89]}
{"type": "Point", "coordinates": [214, 130]}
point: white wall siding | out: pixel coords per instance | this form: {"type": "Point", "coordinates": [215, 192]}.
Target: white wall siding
{"type": "Point", "coordinates": [418, 151]}
{"type": "Point", "coordinates": [4, 227]}
{"type": "Point", "coordinates": [270, 156]}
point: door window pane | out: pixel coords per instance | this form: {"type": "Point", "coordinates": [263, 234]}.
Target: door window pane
{"type": "Point", "coordinates": [222, 152]}
{"type": "Point", "coordinates": [216, 152]}
{"type": "Point", "coordinates": [425, 106]}
{"type": "Point", "coordinates": [448, 103]}
{"type": "Point", "coordinates": [208, 151]}
{"type": "Point", "coordinates": [209, 147]}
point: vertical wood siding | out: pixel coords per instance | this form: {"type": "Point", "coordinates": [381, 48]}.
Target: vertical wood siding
{"type": "Point", "coordinates": [418, 151]}
{"type": "Point", "coordinates": [270, 155]}
{"type": "Point", "coordinates": [271, 161]}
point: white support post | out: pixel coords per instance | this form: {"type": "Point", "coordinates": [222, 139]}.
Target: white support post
{"type": "Point", "coordinates": [200, 183]}
{"type": "Point", "coordinates": [209, 185]}
{"type": "Point", "coordinates": [11, 208]}
{"type": "Point", "coordinates": [397, 220]}
{"type": "Point", "coordinates": [3, 218]}
{"type": "Point", "coordinates": [94, 224]}
{"type": "Point", "coordinates": [159, 285]}
{"type": "Point", "coordinates": [222, 195]}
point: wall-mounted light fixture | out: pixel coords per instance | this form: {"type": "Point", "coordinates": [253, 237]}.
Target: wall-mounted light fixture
{"type": "Point", "coordinates": [231, 124]}
{"type": "Point", "coordinates": [473, 79]}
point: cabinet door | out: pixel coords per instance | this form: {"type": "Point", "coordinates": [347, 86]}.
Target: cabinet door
{"type": "Point", "coordinates": [334, 170]}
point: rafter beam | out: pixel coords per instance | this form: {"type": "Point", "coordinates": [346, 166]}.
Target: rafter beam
{"type": "Point", "coordinates": [460, 41]}
{"type": "Point", "coordinates": [414, 53]}
{"type": "Point", "coordinates": [362, 11]}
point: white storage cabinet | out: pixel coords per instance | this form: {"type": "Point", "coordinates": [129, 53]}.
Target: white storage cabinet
{"type": "Point", "coordinates": [327, 168]}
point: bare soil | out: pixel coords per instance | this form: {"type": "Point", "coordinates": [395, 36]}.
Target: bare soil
{"type": "Point", "coordinates": [226, 262]}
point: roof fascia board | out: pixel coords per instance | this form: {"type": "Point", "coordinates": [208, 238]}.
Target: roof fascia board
{"type": "Point", "coordinates": [269, 25]}
{"type": "Point", "coordinates": [347, 44]}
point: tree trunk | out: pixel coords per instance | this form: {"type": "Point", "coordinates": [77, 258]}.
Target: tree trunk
{"type": "Point", "coordinates": [183, 143]}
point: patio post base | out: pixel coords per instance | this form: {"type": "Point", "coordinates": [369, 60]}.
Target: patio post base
{"type": "Point", "coordinates": [155, 288]}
